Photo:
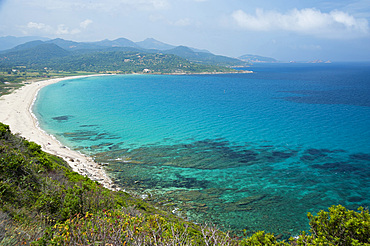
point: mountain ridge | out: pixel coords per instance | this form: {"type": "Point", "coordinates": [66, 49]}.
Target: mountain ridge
{"type": "Point", "coordinates": [147, 46]}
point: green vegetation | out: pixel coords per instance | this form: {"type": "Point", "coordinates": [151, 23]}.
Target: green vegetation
{"type": "Point", "coordinates": [16, 77]}
{"type": "Point", "coordinates": [131, 62]}
{"type": "Point", "coordinates": [205, 58]}
{"type": "Point", "coordinates": [43, 202]}
{"type": "Point", "coordinates": [49, 57]}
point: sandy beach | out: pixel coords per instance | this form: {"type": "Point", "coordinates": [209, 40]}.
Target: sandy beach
{"type": "Point", "coordinates": [15, 111]}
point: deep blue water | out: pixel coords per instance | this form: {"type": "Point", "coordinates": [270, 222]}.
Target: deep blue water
{"type": "Point", "coordinates": [245, 151]}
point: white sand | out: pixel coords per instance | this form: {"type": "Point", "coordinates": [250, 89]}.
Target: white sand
{"type": "Point", "coordinates": [15, 111]}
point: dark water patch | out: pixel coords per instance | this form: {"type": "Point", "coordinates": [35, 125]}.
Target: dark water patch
{"type": "Point", "coordinates": [116, 146]}
{"type": "Point", "coordinates": [101, 146]}
{"type": "Point", "coordinates": [360, 156]}
{"type": "Point", "coordinates": [338, 167]}
{"type": "Point", "coordinates": [62, 118]}
{"type": "Point", "coordinates": [357, 170]}
{"type": "Point", "coordinates": [205, 154]}
{"type": "Point", "coordinates": [81, 135]}
{"type": "Point", "coordinates": [93, 136]}
{"type": "Point", "coordinates": [345, 97]}
{"type": "Point", "coordinates": [280, 155]}
{"type": "Point", "coordinates": [243, 186]}
{"type": "Point", "coordinates": [305, 158]}
{"type": "Point", "coordinates": [88, 125]}
{"type": "Point", "coordinates": [321, 155]}
{"type": "Point", "coordinates": [355, 199]}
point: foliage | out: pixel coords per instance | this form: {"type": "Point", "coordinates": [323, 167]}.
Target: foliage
{"type": "Point", "coordinates": [338, 226]}
{"type": "Point", "coordinates": [9, 82]}
{"type": "Point", "coordinates": [262, 238]}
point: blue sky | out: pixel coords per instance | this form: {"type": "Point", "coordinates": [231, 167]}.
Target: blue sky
{"type": "Point", "coordinates": [287, 30]}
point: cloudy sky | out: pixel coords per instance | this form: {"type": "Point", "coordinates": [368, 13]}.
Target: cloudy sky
{"type": "Point", "coordinates": [337, 30]}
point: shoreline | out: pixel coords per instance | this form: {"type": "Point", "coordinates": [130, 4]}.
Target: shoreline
{"type": "Point", "coordinates": [16, 111]}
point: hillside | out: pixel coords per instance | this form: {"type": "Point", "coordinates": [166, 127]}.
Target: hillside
{"type": "Point", "coordinates": [32, 53]}
{"type": "Point", "coordinates": [37, 55]}
{"type": "Point", "coordinates": [149, 45]}
{"type": "Point", "coordinates": [205, 58]}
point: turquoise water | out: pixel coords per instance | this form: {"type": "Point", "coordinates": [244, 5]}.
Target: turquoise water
{"type": "Point", "coordinates": [245, 151]}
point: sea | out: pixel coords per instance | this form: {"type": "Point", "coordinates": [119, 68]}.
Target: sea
{"type": "Point", "coordinates": [244, 152]}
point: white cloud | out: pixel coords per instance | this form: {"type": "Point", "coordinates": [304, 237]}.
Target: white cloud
{"type": "Point", "coordinates": [61, 29]}
{"type": "Point", "coordinates": [86, 23]}
{"type": "Point", "coordinates": [38, 26]}
{"type": "Point", "coordinates": [335, 24]}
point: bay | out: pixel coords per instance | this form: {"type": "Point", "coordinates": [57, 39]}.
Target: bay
{"type": "Point", "coordinates": [245, 151]}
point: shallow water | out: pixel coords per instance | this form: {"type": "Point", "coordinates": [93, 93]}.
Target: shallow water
{"type": "Point", "coordinates": [246, 151]}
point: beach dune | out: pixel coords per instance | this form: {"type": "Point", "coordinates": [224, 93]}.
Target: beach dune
{"type": "Point", "coordinates": [16, 111]}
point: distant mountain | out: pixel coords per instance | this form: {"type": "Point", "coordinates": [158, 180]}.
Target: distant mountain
{"type": "Point", "coordinates": [151, 43]}
{"type": "Point", "coordinates": [9, 42]}
{"type": "Point", "coordinates": [120, 42]}
{"type": "Point", "coordinates": [113, 59]}
{"type": "Point", "coordinates": [25, 46]}
{"type": "Point", "coordinates": [257, 59]}
{"type": "Point", "coordinates": [72, 45]}
{"type": "Point", "coordinates": [27, 54]}
{"type": "Point", "coordinates": [205, 58]}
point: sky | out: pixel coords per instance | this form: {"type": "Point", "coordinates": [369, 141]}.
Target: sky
{"type": "Point", "coordinates": [287, 30]}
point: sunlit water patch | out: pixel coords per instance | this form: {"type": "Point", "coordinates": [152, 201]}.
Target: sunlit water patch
{"type": "Point", "coordinates": [245, 151]}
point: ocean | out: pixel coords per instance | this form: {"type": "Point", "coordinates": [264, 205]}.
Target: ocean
{"type": "Point", "coordinates": [245, 152]}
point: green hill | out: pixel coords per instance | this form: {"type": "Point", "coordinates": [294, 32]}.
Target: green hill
{"type": "Point", "coordinates": [37, 55]}
{"type": "Point", "coordinates": [32, 53]}
{"type": "Point", "coordinates": [148, 46]}
{"type": "Point", "coordinates": [205, 58]}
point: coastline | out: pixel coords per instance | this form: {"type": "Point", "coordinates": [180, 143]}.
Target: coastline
{"type": "Point", "coordinates": [16, 111]}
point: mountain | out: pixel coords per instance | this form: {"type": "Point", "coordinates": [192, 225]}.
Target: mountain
{"type": "Point", "coordinates": [151, 43]}
{"type": "Point", "coordinates": [36, 55]}
{"type": "Point", "coordinates": [28, 54]}
{"type": "Point", "coordinates": [72, 45]}
{"type": "Point", "coordinates": [257, 59]}
{"type": "Point", "coordinates": [120, 42]}
{"type": "Point", "coordinates": [59, 48]}
{"type": "Point", "coordinates": [25, 46]}
{"type": "Point", "coordinates": [9, 42]}
{"type": "Point", "coordinates": [205, 58]}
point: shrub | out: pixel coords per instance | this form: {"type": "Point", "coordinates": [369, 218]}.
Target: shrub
{"type": "Point", "coordinates": [338, 226]}
{"type": "Point", "coordinates": [261, 238]}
